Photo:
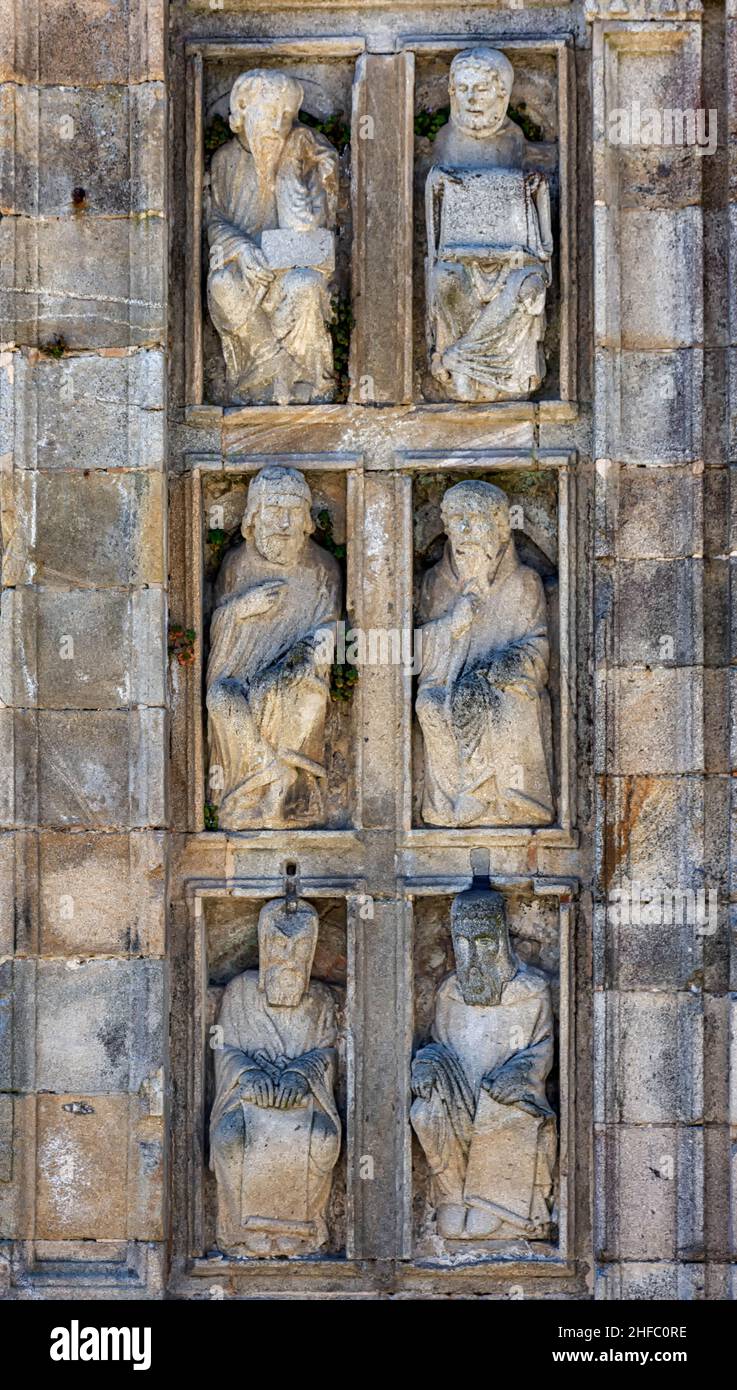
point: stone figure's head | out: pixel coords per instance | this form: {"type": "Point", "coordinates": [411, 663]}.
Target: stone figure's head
{"type": "Point", "coordinates": [278, 515]}
{"type": "Point", "coordinates": [480, 86]}
{"type": "Point", "coordinates": [286, 949]}
{"type": "Point", "coordinates": [263, 106]}
{"type": "Point", "coordinates": [484, 957]}
{"type": "Point", "coordinates": [476, 519]}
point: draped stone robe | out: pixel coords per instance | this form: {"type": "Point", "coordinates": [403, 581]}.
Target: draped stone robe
{"type": "Point", "coordinates": [274, 1167]}
{"type": "Point", "coordinates": [483, 1153]}
{"type": "Point", "coordinates": [484, 741]}
{"type": "Point", "coordinates": [268, 685]}
{"type": "Point", "coordinates": [488, 266]}
{"type": "Point", "coordinates": [274, 338]}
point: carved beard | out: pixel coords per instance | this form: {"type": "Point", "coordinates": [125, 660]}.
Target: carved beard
{"type": "Point", "coordinates": [474, 563]}
{"type": "Point", "coordinates": [280, 549]}
{"type": "Point", "coordinates": [485, 986]}
{"type": "Point", "coordinates": [284, 986]}
{"type": "Point", "coordinates": [481, 123]}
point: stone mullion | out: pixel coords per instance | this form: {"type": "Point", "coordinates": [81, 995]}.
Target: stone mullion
{"type": "Point", "coordinates": [649, 725]}
{"type": "Point", "coordinates": [381, 367]}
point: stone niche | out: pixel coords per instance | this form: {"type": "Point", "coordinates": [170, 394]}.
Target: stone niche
{"type": "Point", "coordinates": [539, 918]}
{"type": "Point", "coordinates": [538, 497]}
{"type": "Point", "coordinates": [335, 497]}
{"type": "Point", "coordinates": [229, 946]}
{"type": "Point", "coordinates": [540, 109]}
{"type": "Point", "coordinates": [302, 299]}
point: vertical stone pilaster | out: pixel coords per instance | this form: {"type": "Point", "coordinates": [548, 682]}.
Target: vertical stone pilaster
{"type": "Point", "coordinates": [83, 623]}
{"type": "Point", "coordinates": [653, 689]}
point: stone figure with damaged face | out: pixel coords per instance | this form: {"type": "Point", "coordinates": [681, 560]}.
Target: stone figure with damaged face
{"type": "Point", "coordinates": [482, 702]}
{"type": "Point", "coordinates": [277, 600]}
{"type": "Point", "coordinates": [489, 242]}
{"type": "Point", "coordinates": [480, 1110]}
{"type": "Point", "coordinates": [274, 1128]}
{"type": "Point", "coordinates": [272, 205]}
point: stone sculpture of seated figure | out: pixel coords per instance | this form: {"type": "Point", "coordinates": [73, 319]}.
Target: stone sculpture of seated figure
{"type": "Point", "coordinates": [277, 599]}
{"type": "Point", "coordinates": [480, 1110]}
{"type": "Point", "coordinates": [274, 1128]}
{"type": "Point", "coordinates": [272, 205]}
{"type": "Point", "coordinates": [489, 242]}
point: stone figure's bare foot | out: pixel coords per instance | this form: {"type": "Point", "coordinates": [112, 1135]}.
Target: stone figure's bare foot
{"type": "Point", "coordinates": [450, 1220]}
{"type": "Point", "coordinates": [481, 1223]}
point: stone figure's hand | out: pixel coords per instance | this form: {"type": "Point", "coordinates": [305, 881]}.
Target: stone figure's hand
{"type": "Point", "coordinates": [257, 1088]}
{"type": "Point", "coordinates": [260, 599]}
{"type": "Point", "coordinates": [505, 1087]}
{"type": "Point", "coordinates": [422, 1077]}
{"type": "Point", "coordinates": [253, 264]}
{"type": "Point", "coordinates": [298, 205]}
{"type": "Point", "coordinates": [292, 1089]}
{"type": "Point", "coordinates": [462, 616]}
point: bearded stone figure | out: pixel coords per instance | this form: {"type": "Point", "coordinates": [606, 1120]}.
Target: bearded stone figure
{"type": "Point", "coordinates": [277, 600]}
{"type": "Point", "coordinates": [274, 1129]}
{"type": "Point", "coordinates": [489, 242]}
{"type": "Point", "coordinates": [482, 702]}
{"type": "Point", "coordinates": [480, 1110]}
{"type": "Point", "coordinates": [272, 207]}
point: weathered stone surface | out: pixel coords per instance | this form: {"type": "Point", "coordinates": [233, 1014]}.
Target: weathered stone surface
{"type": "Point", "coordinates": [659, 715]}
{"type": "Point", "coordinates": [87, 529]}
{"type": "Point", "coordinates": [85, 1175]}
{"type": "Point", "coordinates": [649, 1057]}
{"type": "Point", "coordinates": [59, 668]}
{"type": "Point", "coordinates": [83, 45]}
{"type": "Point", "coordinates": [85, 411]}
{"type": "Point", "coordinates": [101, 894]}
{"type": "Point", "coordinates": [99, 1026]}
{"type": "Point", "coordinates": [489, 242]}
{"type": "Point", "coordinates": [95, 282]}
{"type": "Point", "coordinates": [64, 150]}
{"type": "Point", "coordinates": [95, 768]}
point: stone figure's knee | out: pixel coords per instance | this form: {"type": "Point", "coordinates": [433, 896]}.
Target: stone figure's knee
{"type": "Point", "coordinates": [421, 1118]}
{"type": "Point", "coordinates": [429, 705]}
{"type": "Point", "coordinates": [221, 696]}
{"type": "Point", "coordinates": [228, 1138]}
{"type": "Point", "coordinates": [225, 288]}
{"type": "Point", "coordinates": [301, 285]}
{"type": "Point", "coordinates": [325, 1141]}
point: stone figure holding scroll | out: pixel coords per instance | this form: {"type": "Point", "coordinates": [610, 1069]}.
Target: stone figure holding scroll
{"type": "Point", "coordinates": [482, 699]}
{"type": "Point", "coordinates": [480, 1110]}
{"type": "Point", "coordinates": [277, 599]}
{"type": "Point", "coordinates": [274, 1128]}
{"type": "Point", "coordinates": [489, 242]}
{"type": "Point", "coordinates": [272, 208]}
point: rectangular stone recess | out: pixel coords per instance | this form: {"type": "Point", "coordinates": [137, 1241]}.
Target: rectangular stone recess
{"type": "Point", "coordinates": [217, 502]}
{"type": "Point", "coordinates": [224, 921]}
{"type": "Point", "coordinates": [326, 68]}
{"type": "Point", "coordinates": [540, 915]}
{"type": "Point", "coordinates": [542, 102]}
{"type": "Point", "coordinates": [540, 489]}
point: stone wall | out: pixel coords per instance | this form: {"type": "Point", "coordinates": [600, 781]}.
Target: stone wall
{"type": "Point", "coordinates": [124, 908]}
